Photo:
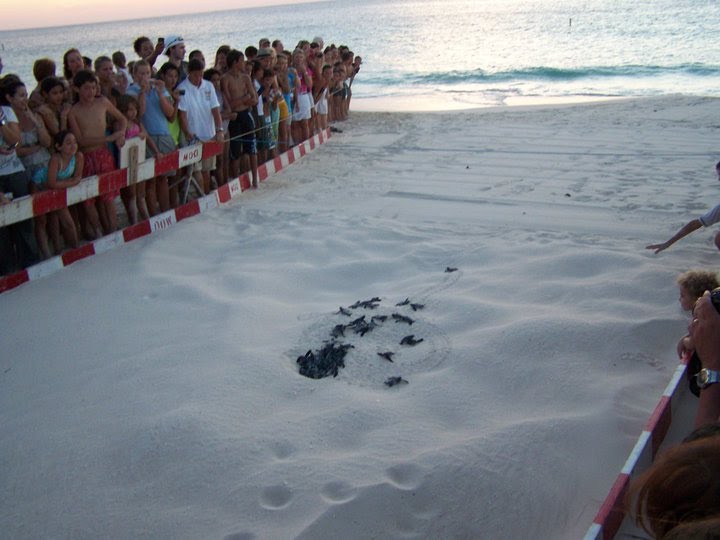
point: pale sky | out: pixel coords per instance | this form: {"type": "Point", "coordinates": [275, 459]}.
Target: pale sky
{"type": "Point", "coordinates": [38, 13]}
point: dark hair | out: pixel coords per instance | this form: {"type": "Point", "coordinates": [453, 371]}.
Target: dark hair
{"type": "Point", "coordinates": [208, 73]}
{"type": "Point", "coordinates": [125, 100]}
{"type": "Point", "coordinates": [48, 83]}
{"type": "Point", "coordinates": [233, 56]}
{"type": "Point", "coordinates": [250, 51]}
{"type": "Point", "coordinates": [43, 67]}
{"type": "Point", "coordinates": [222, 49]}
{"type": "Point", "coordinates": [167, 66]}
{"type": "Point", "coordinates": [66, 69]}
{"type": "Point", "coordinates": [83, 76]}
{"type": "Point", "coordinates": [275, 43]}
{"type": "Point", "coordinates": [59, 137]}
{"type": "Point", "coordinates": [118, 58]}
{"type": "Point", "coordinates": [8, 86]}
{"type": "Point", "coordinates": [195, 53]}
{"type": "Point", "coordinates": [268, 73]}
{"type": "Point", "coordinates": [195, 64]}
{"type": "Point", "coordinates": [137, 44]}
{"type": "Point", "coordinates": [87, 62]}
{"type": "Point", "coordinates": [257, 66]}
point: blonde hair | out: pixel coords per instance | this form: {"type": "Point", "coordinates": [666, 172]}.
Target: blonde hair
{"type": "Point", "coordinates": [696, 282]}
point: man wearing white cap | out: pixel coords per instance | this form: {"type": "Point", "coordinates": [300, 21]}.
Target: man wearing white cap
{"type": "Point", "coordinates": [175, 51]}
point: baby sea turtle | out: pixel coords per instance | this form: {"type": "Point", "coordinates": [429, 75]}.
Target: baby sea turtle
{"type": "Point", "coordinates": [449, 269]}
{"type": "Point", "coordinates": [392, 381]}
{"type": "Point", "coordinates": [415, 307]}
{"type": "Point", "coordinates": [338, 331]}
{"type": "Point", "coordinates": [379, 318]}
{"type": "Point", "coordinates": [410, 340]}
{"type": "Point", "coordinates": [343, 311]}
{"type": "Point", "coordinates": [404, 302]}
{"type": "Point", "coordinates": [367, 304]}
{"type": "Point", "coordinates": [402, 318]}
{"type": "Point", "coordinates": [386, 355]}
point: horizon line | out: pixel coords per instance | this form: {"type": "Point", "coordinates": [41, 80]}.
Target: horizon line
{"type": "Point", "coordinates": [278, 3]}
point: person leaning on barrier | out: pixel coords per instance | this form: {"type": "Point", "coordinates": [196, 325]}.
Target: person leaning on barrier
{"type": "Point", "coordinates": [18, 248]}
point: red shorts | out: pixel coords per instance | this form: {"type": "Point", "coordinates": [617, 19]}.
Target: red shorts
{"type": "Point", "coordinates": [98, 162]}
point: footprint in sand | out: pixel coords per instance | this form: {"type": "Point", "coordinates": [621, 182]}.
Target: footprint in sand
{"type": "Point", "coordinates": [338, 492]}
{"type": "Point", "coordinates": [404, 475]}
{"type": "Point", "coordinates": [240, 536]}
{"type": "Point", "coordinates": [275, 497]}
{"type": "Point", "coordinates": [282, 449]}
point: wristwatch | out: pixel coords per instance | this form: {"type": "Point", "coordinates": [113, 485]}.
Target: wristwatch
{"type": "Point", "coordinates": [706, 377]}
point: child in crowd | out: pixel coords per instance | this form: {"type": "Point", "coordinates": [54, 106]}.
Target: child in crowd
{"type": "Point", "coordinates": [55, 108]}
{"type": "Point", "coordinates": [239, 94]}
{"type": "Point", "coordinates": [42, 68]}
{"type": "Point", "coordinates": [692, 285]}
{"type": "Point", "coordinates": [170, 76]}
{"type": "Point", "coordinates": [120, 63]}
{"type": "Point", "coordinates": [156, 110]}
{"type": "Point", "coordinates": [303, 98]}
{"type": "Point", "coordinates": [221, 170]}
{"type": "Point", "coordinates": [63, 171]}
{"type": "Point", "coordinates": [221, 59]}
{"type": "Point", "coordinates": [321, 96]}
{"type": "Point", "coordinates": [138, 207]}
{"type": "Point", "coordinates": [271, 97]}
{"type": "Point", "coordinates": [283, 82]}
{"type": "Point", "coordinates": [88, 122]}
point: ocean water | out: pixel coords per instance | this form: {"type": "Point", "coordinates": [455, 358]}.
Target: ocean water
{"type": "Point", "coordinates": [451, 53]}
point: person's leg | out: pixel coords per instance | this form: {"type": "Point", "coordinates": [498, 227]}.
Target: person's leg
{"type": "Point", "coordinates": [140, 202]}
{"type": "Point", "coordinates": [41, 236]}
{"type": "Point", "coordinates": [68, 227]}
{"type": "Point", "coordinates": [129, 199]}
{"type": "Point", "coordinates": [53, 228]}
{"type": "Point", "coordinates": [163, 192]}
{"type": "Point", "coordinates": [23, 233]}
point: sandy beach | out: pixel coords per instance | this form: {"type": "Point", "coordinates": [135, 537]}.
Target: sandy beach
{"type": "Point", "coordinates": [153, 392]}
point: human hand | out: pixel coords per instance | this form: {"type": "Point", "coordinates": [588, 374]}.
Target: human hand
{"type": "Point", "coordinates": [705, 332]}
{"type": "Point", "coordinates": [658, 247]}
{"type": "Point", "coordinates": [685, 346]}
{"type": "Point", "coordinates": [220, 136]}
{"type": "Point", "coordinates": [120, 141]}
{"type": "Point", "coordinates": [4, 200]}
{"type": "Point", "coordinates": [159, 85]}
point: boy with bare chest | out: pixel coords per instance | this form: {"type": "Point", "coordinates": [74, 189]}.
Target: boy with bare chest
{"type": "Point", "coordinates": [87, 120]}
{"type": "Point", "coordinates": [240, 95]}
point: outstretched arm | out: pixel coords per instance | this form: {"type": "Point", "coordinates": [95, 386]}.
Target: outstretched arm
{"type": "Point", "coordinates": [689, 227]}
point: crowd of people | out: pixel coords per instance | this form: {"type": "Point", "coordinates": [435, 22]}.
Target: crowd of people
{"type": "Point", "coordinates": [258, 103]}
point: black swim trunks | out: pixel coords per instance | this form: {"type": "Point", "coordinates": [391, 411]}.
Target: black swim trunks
{"type": "Point", "coordinates": [243, 138]}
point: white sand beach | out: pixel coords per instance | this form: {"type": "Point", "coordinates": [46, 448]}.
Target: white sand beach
{"type": "Point", "coordinates": [153, 391]}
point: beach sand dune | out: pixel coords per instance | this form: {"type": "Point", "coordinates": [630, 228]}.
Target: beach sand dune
{"type": "Point", "coordinates": [153, 391]}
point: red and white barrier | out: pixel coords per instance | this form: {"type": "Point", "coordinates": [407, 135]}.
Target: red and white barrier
{"type": "Point", "coordinates": [90, 187]}
{"type": "Point", "coordinates": [608, 520]}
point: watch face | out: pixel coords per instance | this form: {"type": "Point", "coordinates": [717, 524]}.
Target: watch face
{"type": "Point", "coordinates": [702, 377]}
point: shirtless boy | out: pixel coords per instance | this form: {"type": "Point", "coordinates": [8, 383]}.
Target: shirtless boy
{"type": "Point", "coordinates": [88, 122]}
{"type": "Point", "coordinates": [240, 95]}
